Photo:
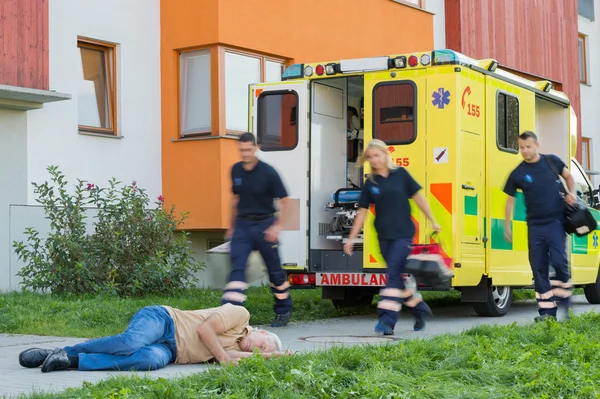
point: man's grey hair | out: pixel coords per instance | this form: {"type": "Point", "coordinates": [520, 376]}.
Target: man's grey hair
{"type": "Point", "coordinates": [273, 337]}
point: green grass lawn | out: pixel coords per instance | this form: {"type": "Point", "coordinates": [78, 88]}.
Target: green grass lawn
{"type": "Point", "coordinates": [546, 360]}
{"type": "Point", "coordinates": [38, 314]}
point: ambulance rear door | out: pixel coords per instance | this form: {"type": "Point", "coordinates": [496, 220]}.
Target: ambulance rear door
{"type": "Point", "coordinates": [278, 118]}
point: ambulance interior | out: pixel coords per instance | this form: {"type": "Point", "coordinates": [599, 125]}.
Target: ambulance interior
{"type": "Point", "coordinates": [337, 136]}
{"type": "Point", "coordinates": [554, 124]}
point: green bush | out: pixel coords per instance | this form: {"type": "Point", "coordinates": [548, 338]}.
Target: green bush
{"type": "Point", "coordinates": [132, 251]}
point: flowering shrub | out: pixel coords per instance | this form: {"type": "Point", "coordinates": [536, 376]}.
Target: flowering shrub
{"type": "Point", "coordinates": [132, 251]}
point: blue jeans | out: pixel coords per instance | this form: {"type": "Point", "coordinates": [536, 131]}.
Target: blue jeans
{"type": "Point", "coordinates": [247, 237]}
{"type": "Point", "coordinates": [147, 344]}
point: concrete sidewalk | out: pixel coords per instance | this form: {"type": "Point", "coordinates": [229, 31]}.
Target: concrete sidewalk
{"type": "Point", "coordinates": [297, 336]}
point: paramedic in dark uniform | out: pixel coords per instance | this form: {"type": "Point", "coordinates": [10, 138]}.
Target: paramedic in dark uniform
{"type": "Point", "coordinates": [545, 223]}
{"type": "Point", "coordinates": [390, 187]}
{"type": "Point", "coordinates": [254, 226]}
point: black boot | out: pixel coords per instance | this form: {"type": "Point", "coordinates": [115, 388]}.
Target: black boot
{"type": "Point", "coordinates": [33, 357]}
{"type": "Point", "coordinates": [58, 360]}
{"type": "Point", "coordinates": [281, 320]}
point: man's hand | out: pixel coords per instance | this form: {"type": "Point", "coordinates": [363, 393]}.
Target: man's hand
{"type": "Point", "coordinates": [570, 198]}
{"type": "Point", "coordinates": [436, 227]}
{"type": "Point", "coordinates": [507, 234]}
{"type": "Point", "coordinates": [229, 234]}
{"type": "Point", "coordinates": [348, 246]}
{"type": "Point", "coordinates": [230, 360]}
{"type": "Point", "coordinates": [272, 233]}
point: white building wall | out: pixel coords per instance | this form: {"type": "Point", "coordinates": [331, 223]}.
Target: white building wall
{"type": "Point", "coordinates": [590, 92]}
{"type": "Point", "coordinates": [13, 178]}
{"type": "Point", "coordinates": [439, 22]}
{"type": "Point", "coordinates": [52, 137]}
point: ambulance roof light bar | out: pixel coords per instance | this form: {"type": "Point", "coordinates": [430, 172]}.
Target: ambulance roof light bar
{"type": "Point", "coordinates": [294, 71]}
{"type": "Point", "coordinates": [449, 57]}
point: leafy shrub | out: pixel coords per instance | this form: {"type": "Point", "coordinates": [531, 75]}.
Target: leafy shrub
{"type": "Point", "coordinates": [132, 251]}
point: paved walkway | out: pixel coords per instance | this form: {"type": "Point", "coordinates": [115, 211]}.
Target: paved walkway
{"type": "Point", "coordinates": [297, 336]}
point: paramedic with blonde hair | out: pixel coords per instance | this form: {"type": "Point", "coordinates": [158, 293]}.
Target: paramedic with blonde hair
{"type": "Point", "coordinates": [390, 187]}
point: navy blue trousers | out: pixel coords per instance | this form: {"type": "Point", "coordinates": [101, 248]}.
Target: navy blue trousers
{"type": "Point", "coordinates": [250, 236]}
{"type": "Point", "coordinates": [394, 294]}
{"type": "Point", "coordinates": [548, 246]}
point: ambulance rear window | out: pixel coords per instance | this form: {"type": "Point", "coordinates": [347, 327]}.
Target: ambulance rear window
{"type": "Point", "coordinates": [277, 116]}
{"type": "Point", "coordinates": [394, 112]}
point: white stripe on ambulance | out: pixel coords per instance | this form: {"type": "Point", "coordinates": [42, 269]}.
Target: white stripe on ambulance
{"type": "Point", "coordinates": [352, 279]}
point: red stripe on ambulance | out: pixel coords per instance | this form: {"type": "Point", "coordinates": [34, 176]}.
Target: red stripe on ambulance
{"type": "Point", "coordinates": [354, 279]}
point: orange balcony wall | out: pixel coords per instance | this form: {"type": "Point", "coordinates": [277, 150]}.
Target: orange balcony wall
{"type": "Point", "coordinates": [196, 169]}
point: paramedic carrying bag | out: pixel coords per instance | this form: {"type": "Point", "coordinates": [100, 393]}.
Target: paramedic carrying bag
{"type": "Point", "coordinates": [578, 218]}
{"type": "Point", "coordinates": [428, 265]}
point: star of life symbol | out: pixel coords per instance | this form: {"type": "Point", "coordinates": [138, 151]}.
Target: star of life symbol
{"type": "Point", "coordinates": [595, 240]}
{"type": "Point", "coordinates": [441, 97]}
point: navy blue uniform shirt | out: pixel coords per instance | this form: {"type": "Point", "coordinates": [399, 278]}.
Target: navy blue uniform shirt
{"type": "Point", "coordinates": [392, 209]}
{"type": "Point", "coordinates": [541, 189]}
{"type": "Point", "coordinates": [257, 188]}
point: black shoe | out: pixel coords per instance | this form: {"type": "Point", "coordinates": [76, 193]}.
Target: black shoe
{"type": "Point", "coordinates": [421, 313]}
{"type": "Point", "coordinates": [383, 328]}
{"type": "Point", "coordinates": [564, 307]}
{"type": "Point", "coordinates": [33, 357]}
{"type": "Point", "coordinates": [58, 360]}
{"type": "Point", "coordinates": [543, 317]}
{"type": "Point", "coordinates": [281, 320]}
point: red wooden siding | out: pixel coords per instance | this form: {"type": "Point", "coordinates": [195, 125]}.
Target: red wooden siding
{"type": "Point", "coordinates": [534, 36]}
{"type": "Point", "coordinates": [24, 43]}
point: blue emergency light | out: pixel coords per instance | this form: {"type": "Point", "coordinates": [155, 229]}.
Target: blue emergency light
{"type": "Point", "coordinates": [293, 72]}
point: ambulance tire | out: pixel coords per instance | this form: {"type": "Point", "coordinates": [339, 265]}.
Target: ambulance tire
{"type": "Point", "coordinates": [497, 304]}
{"type": "Point", "coordinates": [592, 291]}
{"type": "Point", "coordinates": [353, 297]}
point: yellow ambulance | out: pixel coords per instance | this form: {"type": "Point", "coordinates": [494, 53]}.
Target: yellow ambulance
{"type": "Point", "coordinates": [453, 123]}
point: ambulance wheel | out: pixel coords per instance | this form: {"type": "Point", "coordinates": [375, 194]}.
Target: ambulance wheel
{"type": "Point", "coordinates": [498, 301]}
{"type": "Point", "coordinates": [353, 297]}
{"type": "Point", "coordinates": [592, 291]}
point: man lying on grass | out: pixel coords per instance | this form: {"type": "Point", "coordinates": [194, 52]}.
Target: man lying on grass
{"type": "Point", "coordinates": [159, 335]}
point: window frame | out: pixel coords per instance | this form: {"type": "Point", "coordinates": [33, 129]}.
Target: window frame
{"type": "Point", "coordinates": [411, 4]}
{"type": "Point", "coordinates": [575, 170]}
{"type": "Point", "coordinates": [258, 120]}
{"type": "Point", "coordinates": [182, 104]}
{"type": "Point", "coordinates": [222, 82]}
{"type": "Point", "coordinates": [587, 154]}
{"type": "Point", "coordinates": [415, 111]}
{"type": "Point", "coordinates": [583, 40]}
{"type": "Point", "coordinates": [110, 60]}
{"type": "Point", "coordinates": [500, 147]}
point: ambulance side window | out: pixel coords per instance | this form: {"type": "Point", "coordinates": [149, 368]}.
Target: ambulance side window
{"type": "Point", "coordinates": [394, 112]}
{"type": "Point", "coordinates": [277, 116]}
{"type": "Point", "coordinates": [584, 191]}
{"type": "Point", "coordinates": [507, 122]}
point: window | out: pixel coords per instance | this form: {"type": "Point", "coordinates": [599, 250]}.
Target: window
{"type": "Point", "coordinates": [416, 3]}
{"type": "Point", "coordinates": [195, 98]}
{"type": "Point", "coordinates": [582, 58]}
{"type": "Point", "coordinates": [277, 115]}
{"type": "Point", "coordinates": [585, 153]}
{"type": "Point", "coordinates": [96, 110]}
{"type": "Point", "coordinates": [394, 113]}
{"type": "Point", "coordinates": [507, 122]}
{"type": "Point", "coordinates": [241, 70]}
{"type": "Point", "coordinates": [585, 8]}
{"type": "Point", "coordinates": [584, 191]}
